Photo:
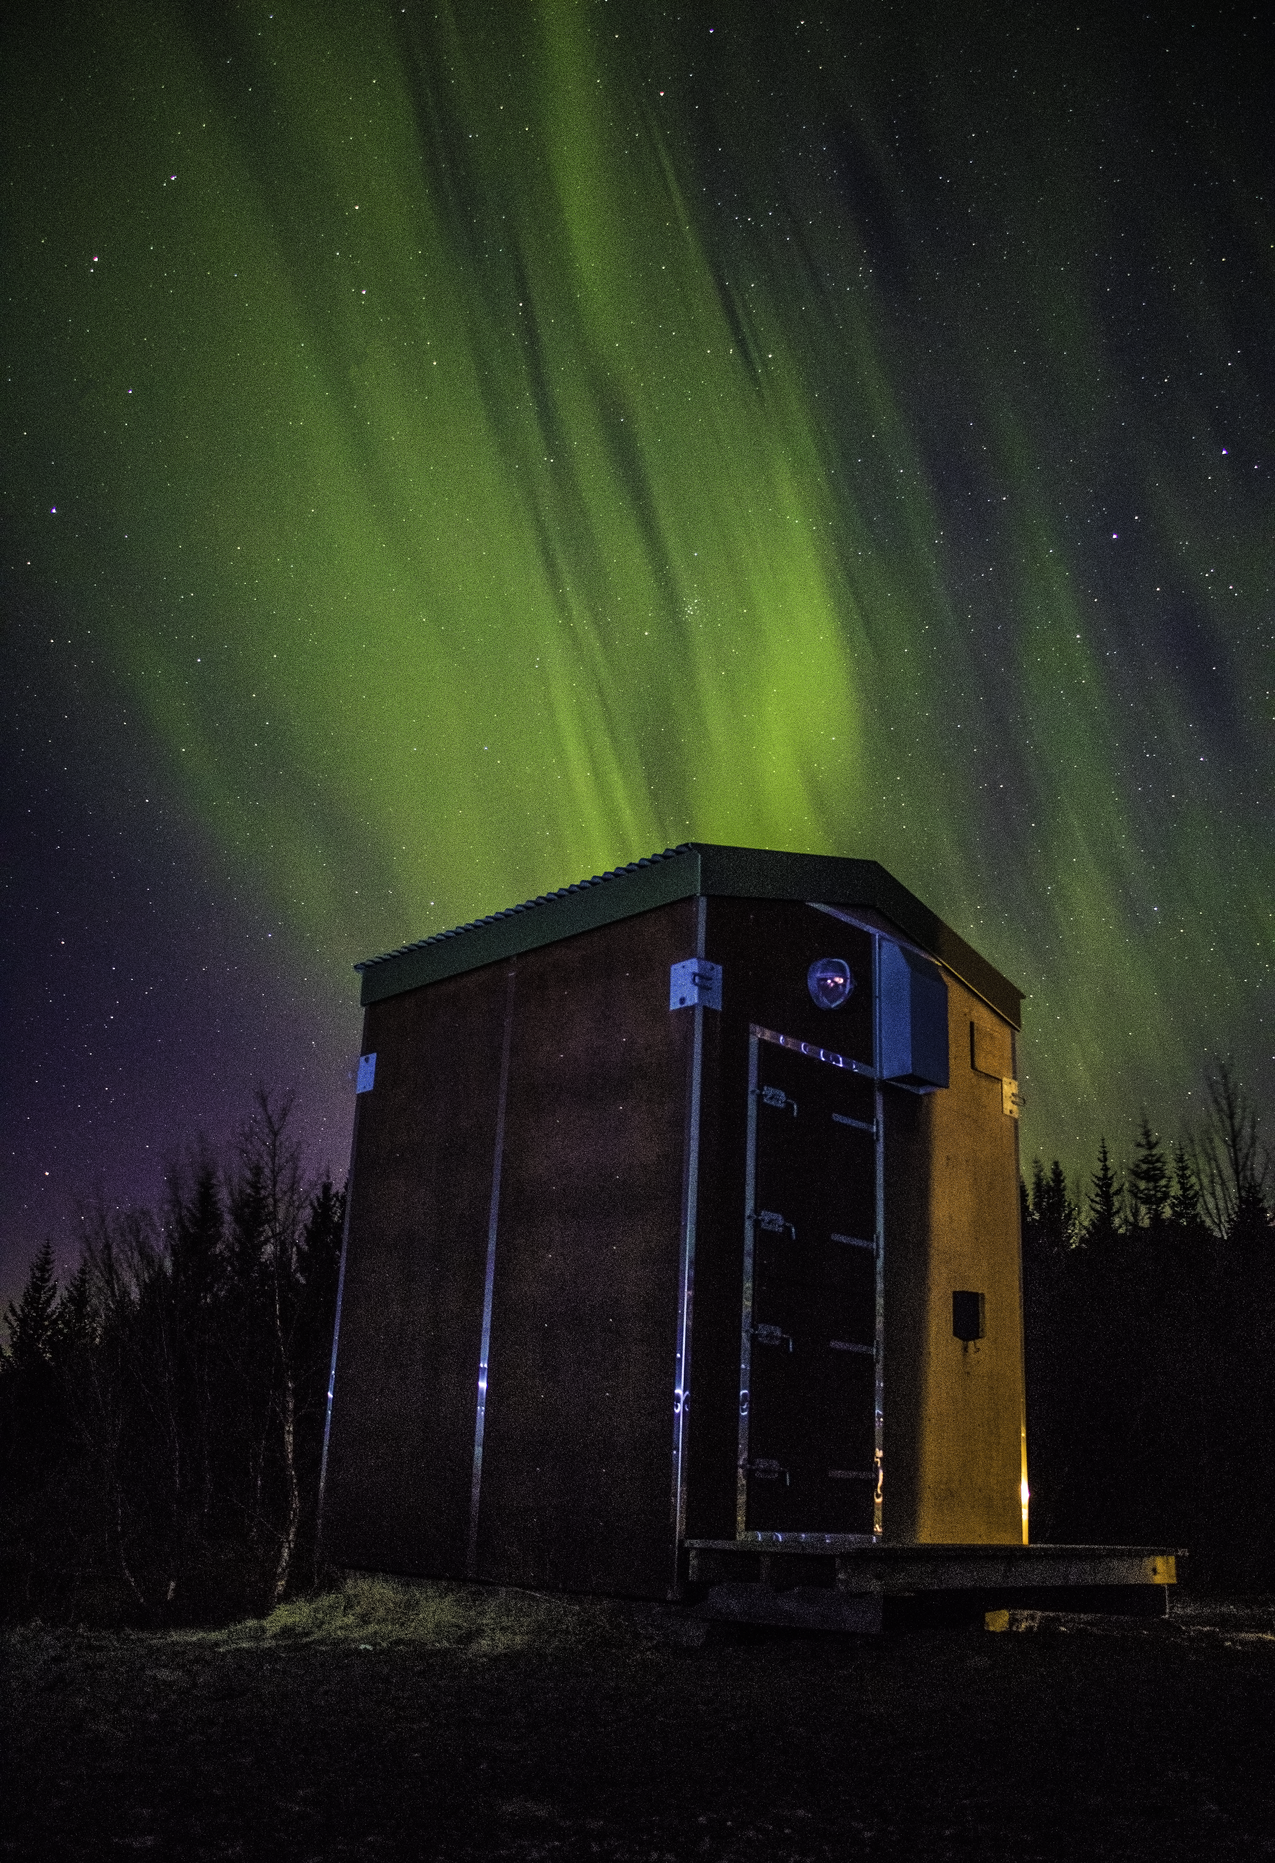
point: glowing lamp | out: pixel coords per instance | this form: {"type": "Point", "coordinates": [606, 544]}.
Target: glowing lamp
{"type": "Point", "coordinates": [830, 981]}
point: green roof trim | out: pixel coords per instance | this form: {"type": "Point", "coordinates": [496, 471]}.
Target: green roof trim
{"type": "Point", "coordinates": [684, 873]}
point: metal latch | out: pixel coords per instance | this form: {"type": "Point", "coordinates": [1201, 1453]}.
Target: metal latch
{"type": "Point", "coordinates": [773, 1335]}
{"type": "Point", "coordinates": [775, 1096]}
{"type": "Point", "coordinates": [764, 1470]}
{"type": "Point", "coordinates": [774, 1222]}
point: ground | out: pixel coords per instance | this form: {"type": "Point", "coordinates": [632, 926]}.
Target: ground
{"type": "Point", "coordinates": [393, 1722]}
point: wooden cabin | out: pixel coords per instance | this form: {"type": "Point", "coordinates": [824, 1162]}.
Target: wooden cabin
{"type": "Point", "coordinates": [683, 1233]}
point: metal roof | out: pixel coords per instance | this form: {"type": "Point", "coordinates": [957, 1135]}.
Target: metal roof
{"type": "Point", "coordinates": [685, 872]}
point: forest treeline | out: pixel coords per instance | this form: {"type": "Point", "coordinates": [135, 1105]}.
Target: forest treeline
{"type": "Point", "coordinates": [1149, 1309]}
{"type": "Point", "coordinates": [161, 1416]}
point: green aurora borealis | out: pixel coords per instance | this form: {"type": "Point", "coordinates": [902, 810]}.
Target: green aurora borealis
{"type": "Point", "coordinates": [480, 445]}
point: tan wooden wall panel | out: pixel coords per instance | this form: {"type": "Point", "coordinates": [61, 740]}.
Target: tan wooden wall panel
{"type": "Point", "coordinates": [968, 1395]}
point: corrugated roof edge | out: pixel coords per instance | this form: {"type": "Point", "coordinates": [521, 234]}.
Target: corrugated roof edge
{"type": "Point", "coordinates": [682, 873]}
{"type": "Point", "coordinates": [655, 880]}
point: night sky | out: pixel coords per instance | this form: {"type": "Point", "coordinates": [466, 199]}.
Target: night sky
{"type": "Point", "coordinates": [451, 451]}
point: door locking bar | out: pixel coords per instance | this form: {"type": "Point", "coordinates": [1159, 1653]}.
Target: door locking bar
{"type": "Point", "coordinates": [774, 1222]}
{"type": "Point", "coordinates": [772, 1335]}
{"type": "Point", "coordinates": [860, 1125]}
{"type": "Point", "coordinates": [775, 1096]}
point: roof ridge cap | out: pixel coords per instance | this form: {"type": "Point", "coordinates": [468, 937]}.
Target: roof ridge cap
{"type": "Point", "coordinates": [507, 912]}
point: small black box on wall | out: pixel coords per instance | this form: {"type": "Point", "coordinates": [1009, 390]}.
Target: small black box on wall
{"type": "Point", "coordinates": [967, 1315]}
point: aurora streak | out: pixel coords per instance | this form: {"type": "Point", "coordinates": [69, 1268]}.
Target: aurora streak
{"type": "Point", "coordinates": [473, 447]}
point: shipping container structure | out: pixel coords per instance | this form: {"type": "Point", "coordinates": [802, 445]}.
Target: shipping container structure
{"type": "Point", "coordinates": [682, 1254]}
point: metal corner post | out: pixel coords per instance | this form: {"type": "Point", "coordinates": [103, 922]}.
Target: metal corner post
{"type": "Point", "coordinates": [489, 1280]}
{"type": "Point", "coordinates": [746, 1315]}
{"type": "Point", "coordinates": [336, 1331]}
{"type": "Point", "coordinates": [878, 1402]}
{"type": "Point", "coordinates": [686, 1263]}
{"type": "Point", "coordinates": [1024, 1489]}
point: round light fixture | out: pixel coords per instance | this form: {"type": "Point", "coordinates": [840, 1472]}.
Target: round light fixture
{"type": "Point", "coordinates": [830, 981]}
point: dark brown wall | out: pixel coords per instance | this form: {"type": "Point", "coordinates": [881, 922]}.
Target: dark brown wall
{"type": "Point", "coordinates": [765, 948]}
{"type": "Point", "coordinates": [577, 1473]}
{"type": "Point", "coordinates": [577, 1469]}
{"type": "Point", "coordinates": [402, 1444]}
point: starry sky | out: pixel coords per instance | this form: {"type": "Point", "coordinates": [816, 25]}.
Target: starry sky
{"type": "Point", "coordinates": [453, 450]}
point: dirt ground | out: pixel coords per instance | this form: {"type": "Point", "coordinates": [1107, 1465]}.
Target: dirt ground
{"type": "Point", "coordinates": [396, 1725]}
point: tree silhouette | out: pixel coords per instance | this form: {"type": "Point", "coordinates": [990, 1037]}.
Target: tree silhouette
{"type": "Point", "coordinates": [1054, 1215]}
{"type": "Point", "coordinates": [1150, 1375]}
{"type": "Point", "coordinates": [161, 1415]}
{"type": "Point", "coordinates": [1184, 1201]}
{"type": "Point", "coordinates": [32, 1323]}
{"type": "Point", "coordinates": [1230, 1163]}
{"type": "Point", "coordinates": [1105, 1218]}
{"type": "Point", "coordinates": [161, 1418]}
{"type": "Point", "coordinates": [1150, 1180]}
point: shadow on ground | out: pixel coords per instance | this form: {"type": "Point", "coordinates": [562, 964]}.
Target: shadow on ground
{"type": "Point", "coordinates": [391, 1721]}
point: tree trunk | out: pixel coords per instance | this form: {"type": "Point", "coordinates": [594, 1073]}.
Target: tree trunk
{"type": "Point", "coordinates": [288, 1545]}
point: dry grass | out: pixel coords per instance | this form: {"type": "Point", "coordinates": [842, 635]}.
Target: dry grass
{"type": "Point", "coordinates": [374, 1611]}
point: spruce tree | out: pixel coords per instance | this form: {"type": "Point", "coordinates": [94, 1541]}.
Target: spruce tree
{"type": "Point", "coordinates": [1052, 1214]}
{"type": "Point", "coordinates": [1251, 1223]}
{"type": "Point", "coordinates": [1063, 1213]}
{"type": "Point", "coordinates": [1184, 1202]}
{"type": "Point", "coordinates": [32, 1322]}
{"type": "Point", "coordinates": [196, 1226]}
{"type": "Point", "coordinates": [1106, 1201]}
{"type": "Point", "coordinates": [1151, 1186]}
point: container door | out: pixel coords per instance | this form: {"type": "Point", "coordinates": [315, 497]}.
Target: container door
{"type": "Point", "coordinates": [809, 1438]}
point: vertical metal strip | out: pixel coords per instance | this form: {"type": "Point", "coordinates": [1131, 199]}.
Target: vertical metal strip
{"type": "Point", "coordinates": [336, 1329]}
{"type": "Point", "coordinates": [686, 1266]}
{"type": "Point", "coordinates": [489, 1282]}
{"type": "Point", "coordinates": [1024, 1490]}
{"type": "Point", "coordinates": [878, 1400]}
{"type": "Point", "coordinates": [746, 1326]}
